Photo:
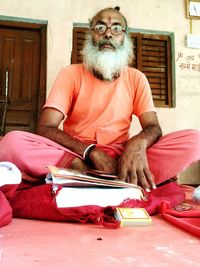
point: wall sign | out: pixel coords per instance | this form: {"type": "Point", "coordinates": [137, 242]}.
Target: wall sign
{"type": "Point", "coordinates": [188, 62]}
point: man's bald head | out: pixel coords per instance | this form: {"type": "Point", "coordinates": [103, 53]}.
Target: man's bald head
{"type": "Point", "coordinates": [114, 11]}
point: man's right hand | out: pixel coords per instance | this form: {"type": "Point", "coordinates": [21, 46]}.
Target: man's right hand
{"type": "Point", "coordinates": [103, 161]}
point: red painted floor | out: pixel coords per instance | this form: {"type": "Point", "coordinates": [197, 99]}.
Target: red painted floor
{"type": "Point", "coordinates": [28, 243]}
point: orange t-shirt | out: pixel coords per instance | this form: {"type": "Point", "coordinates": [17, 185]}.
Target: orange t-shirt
{"type": "Point", "coordinates": [99, 111]}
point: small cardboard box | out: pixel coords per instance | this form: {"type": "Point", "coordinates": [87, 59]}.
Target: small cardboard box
{"type": "Point", "coordinates": [132, 217]}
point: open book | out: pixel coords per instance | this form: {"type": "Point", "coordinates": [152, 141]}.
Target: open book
{"type": "Point", "coordinates": [80, 189]}
{"type": "Point", "coordinates": [69, 177]}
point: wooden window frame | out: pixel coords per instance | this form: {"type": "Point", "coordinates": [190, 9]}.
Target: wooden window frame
{"type": "Point", "coordinates": [161, 74]}
{"type": "Point", "coordinates": [163, 94]}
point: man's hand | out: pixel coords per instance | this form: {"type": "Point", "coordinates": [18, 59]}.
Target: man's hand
{"type": "Point", "coordinates": [133, 165]}
{"type": "Point", "coordinates": [103, 161]}
{"type": "Point", "coordinates": [48, 127]}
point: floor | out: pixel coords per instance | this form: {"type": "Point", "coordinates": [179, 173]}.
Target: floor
{"type": "Point", "coordinates": [28, 243]}
{"type": "Point", "coordinates": [39, 243]}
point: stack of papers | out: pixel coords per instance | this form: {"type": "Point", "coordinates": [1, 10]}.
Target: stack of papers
{"type": "Point", "coordinates": [80, 189]}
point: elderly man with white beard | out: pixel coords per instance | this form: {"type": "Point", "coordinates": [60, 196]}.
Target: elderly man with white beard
{"type": "Point", "coordinates": [96, 101]}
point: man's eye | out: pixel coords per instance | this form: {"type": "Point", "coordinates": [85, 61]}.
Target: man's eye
{"type": "Point", "coordinates": [99, 27]}
{"type": "Point", "coordinates": [116, 28]}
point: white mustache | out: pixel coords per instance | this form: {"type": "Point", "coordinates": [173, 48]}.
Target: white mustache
{"type": "Point", "coordinates": [112, 43]}
{"type": "Point", "coordinates": [106, 42]}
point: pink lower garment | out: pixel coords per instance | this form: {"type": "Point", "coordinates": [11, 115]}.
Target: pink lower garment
{"type": "Point", "coordinates": [32, 153]}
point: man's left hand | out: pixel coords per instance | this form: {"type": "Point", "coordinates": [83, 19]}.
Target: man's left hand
{"type": "Point", "coordinates": [133, 165]}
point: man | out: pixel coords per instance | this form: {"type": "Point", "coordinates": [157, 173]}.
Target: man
{"type": "Point", "coordinates": [97, 99]}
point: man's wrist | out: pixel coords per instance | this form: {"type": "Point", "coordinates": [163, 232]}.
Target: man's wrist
{"type": "Point", "coordinates": [86, 153]}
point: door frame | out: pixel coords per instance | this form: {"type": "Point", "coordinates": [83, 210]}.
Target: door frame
{"type": "Point", "coordinates": [41, 26]}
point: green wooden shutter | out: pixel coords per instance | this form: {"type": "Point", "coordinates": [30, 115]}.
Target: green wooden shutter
{"type": "Point", "coordinates": [152, 57]}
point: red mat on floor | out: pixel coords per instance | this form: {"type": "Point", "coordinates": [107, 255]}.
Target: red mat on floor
{"type": "Point", "coordinates": [41, 243]}
{"type": "Point", "coordinates": [38, 243]}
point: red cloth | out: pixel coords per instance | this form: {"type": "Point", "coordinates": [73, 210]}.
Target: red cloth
{"type": "Point", "coordinates": [38, 202]}
{"type": "Point", "coordinates": [186, 220]}
{"type": "Point", "coordinates": [5, 209]}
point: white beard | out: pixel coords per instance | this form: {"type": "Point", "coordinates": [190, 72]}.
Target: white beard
{"type": "Point", "coordinates": [107, 63]}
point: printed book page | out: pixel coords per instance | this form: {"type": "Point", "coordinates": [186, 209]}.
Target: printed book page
{"type": "Point", "coordinates": [80, 189]}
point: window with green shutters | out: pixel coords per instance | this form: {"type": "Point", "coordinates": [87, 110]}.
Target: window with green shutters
{"type": "Point", "coordinates": [153, 56]}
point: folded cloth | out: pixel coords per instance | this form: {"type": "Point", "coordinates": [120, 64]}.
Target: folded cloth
{"type": "Point", "coordinates": [5, 210]}
{"type": "Point", "coordinates": [9, 173]}
{"type": "Point", "coordinates": [10, 177]}
{"type": "Point", "coordinates": [187, 220]}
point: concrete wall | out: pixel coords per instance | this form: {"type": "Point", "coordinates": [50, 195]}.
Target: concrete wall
{"type": "Point", "coordinates": [159, 15]}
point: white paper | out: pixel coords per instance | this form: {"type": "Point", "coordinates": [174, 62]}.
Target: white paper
{"type": "Point", "coordinates": [74, 197]}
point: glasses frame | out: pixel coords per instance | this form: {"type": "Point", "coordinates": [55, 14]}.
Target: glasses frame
{"type": "Point", "coordinates": [107, 27]}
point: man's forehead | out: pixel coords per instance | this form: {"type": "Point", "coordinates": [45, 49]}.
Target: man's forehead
{"type": "Point", "coordinates": [109, 16]}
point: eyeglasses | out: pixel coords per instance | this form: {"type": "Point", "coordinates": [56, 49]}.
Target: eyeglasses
{"type": "Point", "coordinates": [102, 28]}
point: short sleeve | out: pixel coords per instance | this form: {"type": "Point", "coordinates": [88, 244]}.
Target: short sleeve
{"type": "Point", "coordinates": [143, 101]}
{"type": "Point", "coordinates": [62, 91]}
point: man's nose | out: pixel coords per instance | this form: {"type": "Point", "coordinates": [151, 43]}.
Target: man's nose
{"type": "Point", "coordinates": [108, 33]}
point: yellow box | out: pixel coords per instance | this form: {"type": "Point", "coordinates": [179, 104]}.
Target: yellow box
{"type": "Point", "coordinates": [132, 217]}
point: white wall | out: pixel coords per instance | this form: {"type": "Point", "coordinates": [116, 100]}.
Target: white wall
{"type": "Point", "coordinates": [159, 15]}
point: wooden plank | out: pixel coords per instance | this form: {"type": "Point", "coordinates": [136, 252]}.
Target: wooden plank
{"type": "Point", "coordinates": [161, 75]}
{"type": "Point", "coordinates": [156, 80]}
{"type": "Point", "coordinates": [154, 71]}
{"type": "Point", "coordinates": [153, 64]}
{"type": "Point", "coordinates": [154, 59]}
{"type": "Point", "coordinates": [158, 86]}
{"type": "Point", "coordinates": [154, 50]}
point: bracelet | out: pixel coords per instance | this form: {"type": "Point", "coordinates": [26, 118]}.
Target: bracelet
{"type": "Point", "coordinates": [87, 151]}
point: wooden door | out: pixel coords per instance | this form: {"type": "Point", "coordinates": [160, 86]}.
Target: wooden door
{"type": "Point", "coordinates": [21, 95]}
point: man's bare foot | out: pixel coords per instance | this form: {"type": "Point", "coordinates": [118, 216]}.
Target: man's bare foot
{"type": "Point", "coordinates": [79, 165]}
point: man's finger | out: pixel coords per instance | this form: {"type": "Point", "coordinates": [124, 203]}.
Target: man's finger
{"type": "Point", "coordinates": [133, 177]}
{"type": "Point", "coordinates": [122, 175]}
{"type": "Point", "coordinates": [143, 180]}
{"type": "Point", "coordinates": [150, 179]}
